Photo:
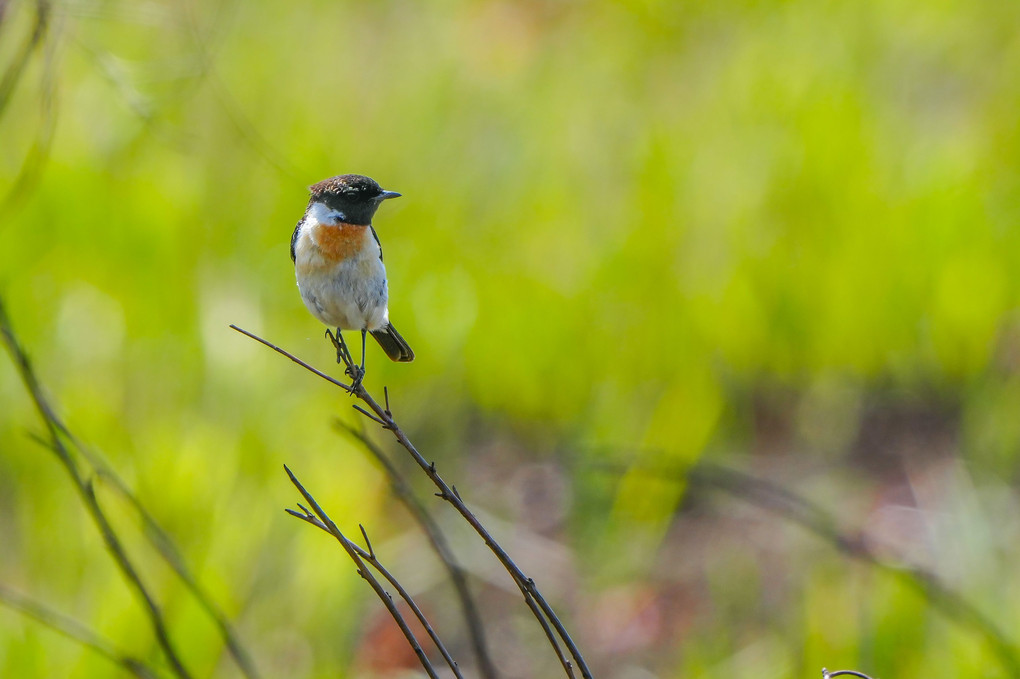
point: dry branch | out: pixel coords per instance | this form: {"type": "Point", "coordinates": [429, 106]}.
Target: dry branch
{"type": "Point", "coordinates": [555, 630]}
{"type": "Point", "coordinates": [321, 520]}
{"type": "Point", "coordinates": [403, 492]}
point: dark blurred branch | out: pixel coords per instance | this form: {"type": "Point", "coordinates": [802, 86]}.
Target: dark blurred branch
{"type": "Point", "coordinates": [130, 572]}
{"type": "Point", "coordinates": [72, 629]}
{"type": "Point", "coordinates": [163, 544]}
{"type": "Point", "coordinates": [440, 546]}
{"type": "Point", "coordinates": [244, 127]}
{"type": "Point", "coordinates": [154, 533]}
{"type": "Point", "coordinates": [817, 521]}
{"type": "Point", "coordinates": [35, 160]}
{"type": "Point", "coordinates": [166, 548]}
{"type": "Point", "coordinates": [12, 75]}
{"type": "Point", "coordinates": [529, 590]}
{"type": "Point", "coordinates": [321, 520]}
{"type": "Point", "coordinates": [87, 494]}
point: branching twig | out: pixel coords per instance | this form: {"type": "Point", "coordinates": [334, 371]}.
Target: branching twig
{"type": "Point", "coordinates": [440, 546]}
{"type": "Point", "coordinates": [369, 415]}
{"type": "Point", "coordinates": [321, 520]}
{"type": "Point", "coordinates": [371, 558]}
{"type": "Point", "coordinates": [536, 601]}
{"type": "Point", "coordinates": [72, 629]}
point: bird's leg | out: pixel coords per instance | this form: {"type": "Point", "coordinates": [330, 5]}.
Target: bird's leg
{"type": "Point", "coordinates": [336, 340]}
{"type": "Point", "coordinates": [358, 373]}
{"type": "Point", "coordinates": [343, 354]}
{"type": "Point", "coordinates": [363, 333]}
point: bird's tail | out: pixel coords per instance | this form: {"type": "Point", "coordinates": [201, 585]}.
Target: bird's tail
{"type": "Point", "coordinates": [393, 344]}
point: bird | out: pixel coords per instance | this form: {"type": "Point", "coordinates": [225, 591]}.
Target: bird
{"type": "Point", "coordinates": [339, 267]}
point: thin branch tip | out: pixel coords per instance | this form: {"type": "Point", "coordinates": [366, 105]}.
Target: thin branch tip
{"type": "Point", "coordinates": [368, 543]}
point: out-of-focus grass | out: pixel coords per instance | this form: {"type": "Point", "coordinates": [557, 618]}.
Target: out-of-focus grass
{"type": "Point", "coordinates": [621, 221]}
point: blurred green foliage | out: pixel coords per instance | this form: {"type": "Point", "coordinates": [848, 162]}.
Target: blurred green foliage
{"type": "Point", "coordinates": [623, 223]}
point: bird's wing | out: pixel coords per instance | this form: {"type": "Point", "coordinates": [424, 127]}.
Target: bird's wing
{"type": "Point", "coordinates": [376, 236]}
{"type": "Point", "coordinates": [293, 240]}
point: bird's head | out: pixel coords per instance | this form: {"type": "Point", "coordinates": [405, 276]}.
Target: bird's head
{"type": "Point", "coordinates": [354, 196]}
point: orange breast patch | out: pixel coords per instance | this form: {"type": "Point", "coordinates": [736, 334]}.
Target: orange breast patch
{"type": "Point", "coordinates": [339, 241]}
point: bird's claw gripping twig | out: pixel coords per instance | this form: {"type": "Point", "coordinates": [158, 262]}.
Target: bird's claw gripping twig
{"type": "Point", "coordinates": [357, 374]}
{"type": "Point", "coordinates": [343, 355]}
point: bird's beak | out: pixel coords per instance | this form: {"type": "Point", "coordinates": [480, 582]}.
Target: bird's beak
{"type": "Point", "coordinates": [387, 194]}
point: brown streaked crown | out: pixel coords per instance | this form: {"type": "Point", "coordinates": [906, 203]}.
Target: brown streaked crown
{"type": "Point", "coordinates": [350, 186]}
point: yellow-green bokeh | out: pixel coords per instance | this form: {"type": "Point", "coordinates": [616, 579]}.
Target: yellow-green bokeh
{"type": "Point", "coordinates": [621, 222]}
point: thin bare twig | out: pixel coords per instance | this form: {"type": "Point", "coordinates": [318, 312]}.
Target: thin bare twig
{"type": "Point", "coordinates": [541, 608]}
{"type": "Point", "coordinates": [72, 629]}
{"type": "Point", "coordinates": [334, 382]}
{"type": "Point", "coordinates": [166, 548]}
{"type": "Point", "coordinates": [321, 520]}
{"type": "Point", "coordinates": [369, 415]}
{"type": "Point", "coordinates": [826, 674]}
{"type": "Point", "coordinates": [134, 579]}
{"type": "Point", "coordinates": [402, 490]}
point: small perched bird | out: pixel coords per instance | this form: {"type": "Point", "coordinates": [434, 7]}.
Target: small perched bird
{"type": "Point", "coordinates": [339, 266]}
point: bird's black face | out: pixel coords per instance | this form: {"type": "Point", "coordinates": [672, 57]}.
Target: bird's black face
{"type": "Point", "coordinates": [354, 195]}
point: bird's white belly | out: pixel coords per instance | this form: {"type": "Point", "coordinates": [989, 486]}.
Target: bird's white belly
{"type": "Point", "coordinates": [348, 293]}
{"type": "Point", "coordinates": [351, 297]}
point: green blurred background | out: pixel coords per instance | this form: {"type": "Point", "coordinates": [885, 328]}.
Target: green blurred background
{"type": "Point", "coordinates": [634, 236]}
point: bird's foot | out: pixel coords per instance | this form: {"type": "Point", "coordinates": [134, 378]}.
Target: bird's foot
{"type": "Point", "coordinates": [357, 375]}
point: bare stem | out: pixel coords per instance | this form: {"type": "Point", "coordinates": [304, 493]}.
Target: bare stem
{"type": "Point", "coordinates": [166, 548]}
